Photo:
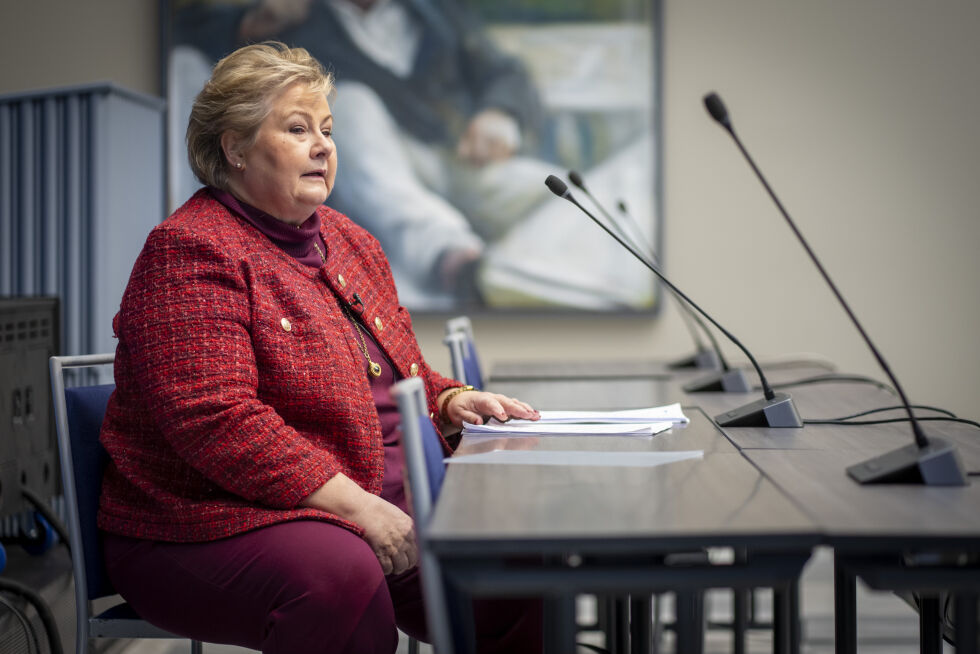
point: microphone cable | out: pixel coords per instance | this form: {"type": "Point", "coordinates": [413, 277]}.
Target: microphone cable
{"type": "Point", "coordinates": [884, 421]}
{"type": "Point", "coordinates": [811, 360]}
{"type": "Point", "coordinates": [836, 377]}
{"type": "Point", "coordinates": [897, 407]}
{"type": "Point", "coordinates": [848, 420]}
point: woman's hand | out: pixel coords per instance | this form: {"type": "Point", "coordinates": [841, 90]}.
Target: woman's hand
{"type": "Point", "coordinates": [475, 406]}
{"type": "Point", "coordinates": [387, 529]}
{"type": "Point", "coordinates": [390, 533]}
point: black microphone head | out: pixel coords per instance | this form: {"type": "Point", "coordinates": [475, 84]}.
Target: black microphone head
{"type": "Point", "coordinates": [556, 186]}
{"type": "Point", "coordinates": [576, 179]}
{"type": "Point", "coordinates": [717, 109]}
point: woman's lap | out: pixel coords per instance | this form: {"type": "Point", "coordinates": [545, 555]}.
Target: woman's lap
{"type": "Point", "coordinates": [296, 586]}
{"type": "Point", "coordinates": [301, 586]}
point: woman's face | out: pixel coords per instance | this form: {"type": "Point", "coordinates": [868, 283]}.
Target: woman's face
{"type": "Point", "coordinates": [290, 169]}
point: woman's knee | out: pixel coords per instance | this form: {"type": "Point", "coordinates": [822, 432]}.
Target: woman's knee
{"type": "Point", "coordinates": [338, 602]}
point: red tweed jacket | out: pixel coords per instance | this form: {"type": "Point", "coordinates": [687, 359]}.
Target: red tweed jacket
{"type": "Point", "coordinates": [239, 386]}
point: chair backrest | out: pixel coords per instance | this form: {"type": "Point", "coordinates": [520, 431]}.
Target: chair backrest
{"type": "Point", "coordinates": [78, 415]}
{"type": "Point", "coordinates": [456, 342]}
{"type": "Point", "coordinates": [426, 472]}
{"type": "Point", "coordinates": [462, 351]}
{"type": "Point", "coordinates": [460, 324]}
{"type": "Point", "coordinates": [423, 451]}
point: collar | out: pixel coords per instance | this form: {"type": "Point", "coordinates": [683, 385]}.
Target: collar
{"type": "Point", "coordinates": [295, 240]}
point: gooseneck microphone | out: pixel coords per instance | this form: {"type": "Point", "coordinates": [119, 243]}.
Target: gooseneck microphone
{"type": "Point", "coordinates": [775, 409]}
{"type": "Point", "coordinates": [929, 461]}
{"type": "Point", "coordinates": [703, 357]}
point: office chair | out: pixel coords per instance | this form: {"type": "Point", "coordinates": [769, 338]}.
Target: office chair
{"type": "Point", "coordinates": [462, 351]}
{"type": "Point", "coordinates": [78, 413]}
{"type": "Point", "coordinates": [426, 471]}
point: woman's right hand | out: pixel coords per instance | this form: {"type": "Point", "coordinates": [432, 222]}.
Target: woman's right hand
{"type": "Point", "coordinates": [391, 534]}
{"type": "Point", "coordinates": [387, 529]}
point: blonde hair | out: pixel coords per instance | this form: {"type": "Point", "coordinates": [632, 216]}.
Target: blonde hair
{"type": "Point", "coordinates": [239, 96]}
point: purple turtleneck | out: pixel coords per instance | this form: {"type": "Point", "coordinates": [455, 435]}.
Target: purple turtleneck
{"type": "Point", "coordinates": [297, 242]}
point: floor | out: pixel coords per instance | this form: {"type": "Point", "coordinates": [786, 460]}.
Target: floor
{"type": "Point", "coordinates": [886, 625]}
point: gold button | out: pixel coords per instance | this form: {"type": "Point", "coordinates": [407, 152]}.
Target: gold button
{"type": "Point", "coordinates": [378, 324]}
{"type": "Point", "coordinates": [414, 370]}
{"type": "Point", "coordinates": [286, 325]}
{"type": "Point", "coordinates": [341, 281]}
{"type": "Point", "coordinates": [432, 416]}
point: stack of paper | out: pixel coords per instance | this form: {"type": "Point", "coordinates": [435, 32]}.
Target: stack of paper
{"type": "Point", "coordinates": [629, 422]}
{"type": "Point", "coordinates": [577, 458]}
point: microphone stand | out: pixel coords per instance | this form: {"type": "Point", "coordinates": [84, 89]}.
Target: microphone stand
{"type": "Point", "coordinates": [703, 357]}
{"type": "Point", "coordinates": [773, 410]}
{"type": "Point", "coordinates": [929, 461]}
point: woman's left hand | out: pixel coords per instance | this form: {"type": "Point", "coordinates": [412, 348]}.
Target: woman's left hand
{"type": "Point", "coordinates": [476, 406]}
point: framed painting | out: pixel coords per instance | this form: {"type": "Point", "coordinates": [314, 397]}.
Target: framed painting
{"type": "Point", "coordinates": [448, 117]}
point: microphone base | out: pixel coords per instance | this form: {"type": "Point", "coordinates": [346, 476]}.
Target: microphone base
{"type": "Point", "coordinates": [730, 381]}
{"type": "Point", "coordinates": [702, 360]}
{"type": "Point", "coordinates": [780, 411]}
{"type": "Point", "coordinates": [936, 464]}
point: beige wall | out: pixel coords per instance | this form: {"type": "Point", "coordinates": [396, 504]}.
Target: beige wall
{"type": "Point", "coordinates": [46, 43]}
{"type": "Point", "coordinates": [861, 113]}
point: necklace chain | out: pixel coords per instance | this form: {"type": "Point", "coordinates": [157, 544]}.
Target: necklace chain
{"type": "Point", "coordinates": [323, 257]}
{"type": "Point", "coordinates": [373, 367]}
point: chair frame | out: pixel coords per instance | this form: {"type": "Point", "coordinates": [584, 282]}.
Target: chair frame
{"type": "Point", "coordinates": [462, 350]}
{"type": "Point", "coordinates": [410, 396]}
{"type": "Point", "coordinates": [456, 342]}
{"type": "Point", "coordinates": [106, 624]}
{"type": "Point", "coordinates": [460, 324]}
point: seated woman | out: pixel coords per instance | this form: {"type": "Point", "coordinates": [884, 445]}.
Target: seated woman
{"type": "Point", "coordinates": [254, 494]}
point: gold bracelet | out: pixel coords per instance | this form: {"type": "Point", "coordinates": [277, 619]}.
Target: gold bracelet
{"type": "Point", "coordinates": [443, 413]}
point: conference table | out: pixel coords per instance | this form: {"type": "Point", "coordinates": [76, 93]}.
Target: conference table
{"type": "Point", "coordinates": [768, 495]}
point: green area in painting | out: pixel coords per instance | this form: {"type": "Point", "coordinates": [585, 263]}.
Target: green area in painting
{"type": "Point", "coordinates": [505, 11]}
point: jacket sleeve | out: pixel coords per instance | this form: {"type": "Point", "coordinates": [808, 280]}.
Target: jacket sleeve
{"type": "Point", "coordinates": [185, 327]}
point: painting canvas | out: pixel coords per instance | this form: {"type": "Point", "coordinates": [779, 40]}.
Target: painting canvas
{"type": "Point", "coordinates": [448, 117]}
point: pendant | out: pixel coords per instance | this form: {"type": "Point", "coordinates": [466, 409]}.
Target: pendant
{"type": "Point", "coordinates": [374, 368]}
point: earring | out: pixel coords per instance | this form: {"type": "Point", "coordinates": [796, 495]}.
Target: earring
{"type": "Point", "coordinates": [239, 165]}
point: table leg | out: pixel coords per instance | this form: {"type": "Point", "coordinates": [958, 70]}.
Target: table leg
{"type": "Point", "coordinates": [559, 620]}
{"type": "Point", "coordinates": [781, 619]}
{"type": "Point", "coordinates": [459, 606]}
{"type": "Point", "coordinates": [641, 622]}
{"type": "Point", "coordinates": [966, 623]}
{"type": "Point", "coordinates": [845, 610]}
{"type": "Point", "coordinates": [795, 625]}
{"type": "Point", "coordinates": [740, 606]}
{"type": "Point", "coordinates": [930, 626]}
{"type": "Point", "coordinates": [690, 621]}
{"type": "Point", "coordinates": [615, 619]}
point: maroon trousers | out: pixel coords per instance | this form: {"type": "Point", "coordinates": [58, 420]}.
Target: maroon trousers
{"type": "Point", "coordinates": [302, 586]}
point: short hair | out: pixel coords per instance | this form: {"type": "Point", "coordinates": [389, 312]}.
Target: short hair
{"type": "Point", "coordinates": [239, 96]}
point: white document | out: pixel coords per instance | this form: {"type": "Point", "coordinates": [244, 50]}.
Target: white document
{"type": "Point", "coordinates": [667, 413]}
{"type": "Point", "coordinates": [577, 458]}
{"type": "Point", "coordinates": [541, 428]}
